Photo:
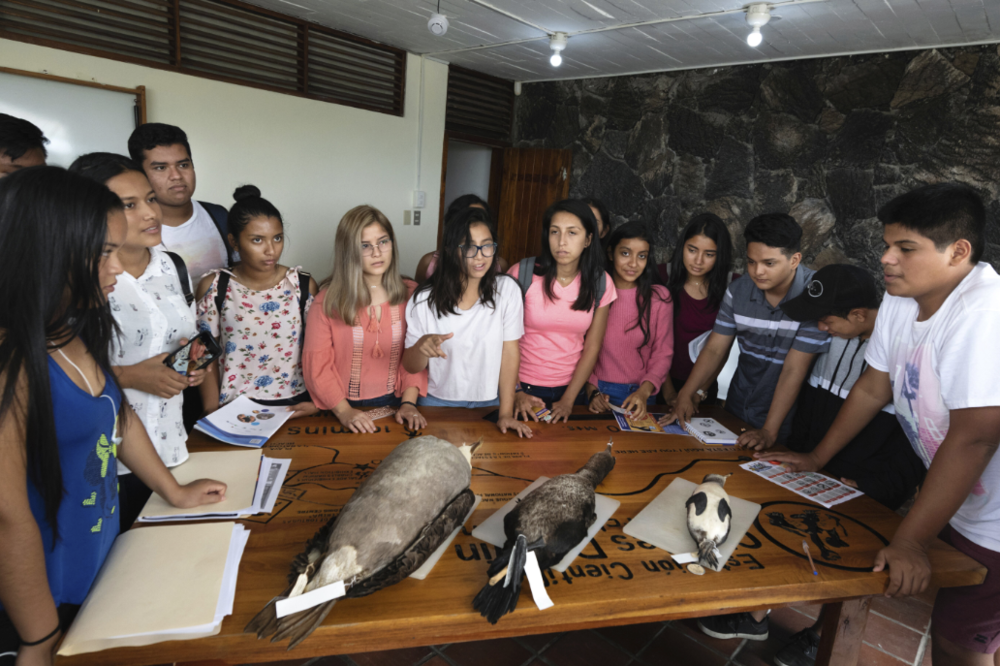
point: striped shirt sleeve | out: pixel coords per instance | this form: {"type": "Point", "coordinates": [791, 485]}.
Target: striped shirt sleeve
{"type": "Point", "coordinates": [810, 340]}
{"type": "Point", "coordinates": [725, 322]}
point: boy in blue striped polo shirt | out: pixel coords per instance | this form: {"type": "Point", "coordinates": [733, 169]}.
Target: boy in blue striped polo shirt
{"type": "Point", "coordinates": [775, 351]}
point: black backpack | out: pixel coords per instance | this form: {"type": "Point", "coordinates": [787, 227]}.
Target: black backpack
{"type": "Point", "coordinates": [526, 269]}
{"type": "Point", "coordinates": [182, 273]}
{"type": "Point", "coordinates": [223, 286]}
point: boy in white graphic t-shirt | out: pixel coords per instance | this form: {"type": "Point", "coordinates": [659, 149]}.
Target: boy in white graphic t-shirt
{"type": "Point", "coordinates": [934, 355]}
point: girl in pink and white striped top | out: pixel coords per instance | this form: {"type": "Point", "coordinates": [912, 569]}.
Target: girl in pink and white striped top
{"type": "Point", "coordinates": [639, 343]}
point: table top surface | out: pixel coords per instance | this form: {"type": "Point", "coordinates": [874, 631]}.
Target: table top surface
{"type": "Point", "coordinates": [616, 579]}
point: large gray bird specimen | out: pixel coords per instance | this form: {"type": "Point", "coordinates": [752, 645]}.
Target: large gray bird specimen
{"type": "Point", "coordinates": [709, 518]}
{"type": "Point", "coordinates": [393, 522]}
{"type": "Point", "coordinates": [551, 520]}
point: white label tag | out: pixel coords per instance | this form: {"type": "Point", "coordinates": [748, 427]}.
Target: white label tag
{"type": "Point", "coordinates": [309, 599]}
{"type": "Point", "coordinates": [534, 574]}
{"type": "Point", "coordinates": [684, 558]}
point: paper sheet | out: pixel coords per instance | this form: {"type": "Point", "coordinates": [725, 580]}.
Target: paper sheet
{"type": "Point", "coordinates": [814, 486]}
{"type": "Point", "coordinates": [663, 522]}
{"type": "Point", "coordinates": [428, 565]}
{"type": "Point", "coordinates": [253, 483]}
{"type": "Point", "coordinates": [244, 422]}
{"type": "Point", "coordinates": [172, 582]}
{"type": "Point", "coordinates": [491, 531]}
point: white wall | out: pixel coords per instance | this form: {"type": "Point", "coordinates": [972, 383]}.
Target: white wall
{"type": "Point", "coordinates": [468, 171]}
{"type": "Point", "coordinates": [313, 160]}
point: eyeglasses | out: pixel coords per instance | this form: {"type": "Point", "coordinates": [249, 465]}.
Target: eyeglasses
{"type": "Point", "coordinates": [470, 251]}
{"type": "Point", "coordinates": [384, 245]}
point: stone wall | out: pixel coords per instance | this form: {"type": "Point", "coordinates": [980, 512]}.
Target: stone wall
{"type": "Point", "coordinates": [827, 141]}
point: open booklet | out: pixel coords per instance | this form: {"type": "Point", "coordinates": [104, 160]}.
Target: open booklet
{"type": "Point", "coordinates": [244, 422]}
{"type": "Point", "coordinates": [252, 485]}
{"type": "Point", "coordinates": [169, 583]}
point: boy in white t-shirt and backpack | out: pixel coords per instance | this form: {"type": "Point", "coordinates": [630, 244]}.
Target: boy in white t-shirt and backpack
{"type": "Point", "coordinates": [934, 354]}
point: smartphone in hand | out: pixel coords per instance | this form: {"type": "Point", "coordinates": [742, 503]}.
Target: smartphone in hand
{"type": "Point", "coordinates": [195, 355]}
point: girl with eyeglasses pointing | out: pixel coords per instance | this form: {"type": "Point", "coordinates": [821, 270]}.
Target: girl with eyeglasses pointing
{"type": "Point", "coordinates": [464, 323]}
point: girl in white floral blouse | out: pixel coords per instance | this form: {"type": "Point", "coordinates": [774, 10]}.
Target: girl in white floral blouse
{"type": "Point", "coordinates": [257, 312]}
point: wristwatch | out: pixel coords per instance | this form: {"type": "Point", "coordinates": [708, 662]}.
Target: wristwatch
{"type": "Point", "coordinates": [702, 394]}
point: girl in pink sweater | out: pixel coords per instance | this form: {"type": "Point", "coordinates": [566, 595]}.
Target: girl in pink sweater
{"type": "Point", "coordinates": [639, 342]}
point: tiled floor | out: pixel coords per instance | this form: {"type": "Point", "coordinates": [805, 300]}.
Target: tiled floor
{"type": "Point", "coordinates": [898, 633]}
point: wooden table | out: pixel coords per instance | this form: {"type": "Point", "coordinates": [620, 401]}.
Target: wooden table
{"type": "Point", "coordinates": [616, 580]}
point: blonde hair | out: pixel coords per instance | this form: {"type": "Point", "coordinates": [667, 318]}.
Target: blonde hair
{"type": "Point", "coordinates": [346, 292]}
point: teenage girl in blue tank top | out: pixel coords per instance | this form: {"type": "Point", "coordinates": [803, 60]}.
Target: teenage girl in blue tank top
{"type": "Point", "coordinates": [62, 423]}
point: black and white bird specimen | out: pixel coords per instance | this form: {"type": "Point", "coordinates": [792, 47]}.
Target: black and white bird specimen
{"type": "Point", "coordinates": [393, 522]}
{"type": "Point", "coordinates": [709, 518]}
{"type": "Point", "coordinates": [551, 520]}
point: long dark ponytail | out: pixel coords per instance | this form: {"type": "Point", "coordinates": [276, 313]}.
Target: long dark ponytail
{"type": "Point", "coordinates": [53, 228]}
{"type": "Point", "coordinates": [711, 226]}
{"type": "Point", "coordinates": [591, 261]}
{"type": "Point", "coordinates": [447, 282]}
{"type": "Point", "coordinates": [644, 292]}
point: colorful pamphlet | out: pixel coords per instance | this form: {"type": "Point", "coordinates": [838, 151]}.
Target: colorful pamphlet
{"type": "Point", "coordinates": [813, 486]}
{"type": "Point", "coordinates": [648, 424]}
{"type": "Point", "coordinates": [244, 422]}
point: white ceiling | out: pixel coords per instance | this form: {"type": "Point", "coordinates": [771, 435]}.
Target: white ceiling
{"type": "Point", "coordinates": [810, 29]}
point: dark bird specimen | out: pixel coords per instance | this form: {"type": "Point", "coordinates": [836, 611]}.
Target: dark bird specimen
{"type": "Point", "coordinates": [551, 520]}
{"type": "Point", "coordinates": [393, 522]}
{"type": "Point", "coordinates": [709, 518]}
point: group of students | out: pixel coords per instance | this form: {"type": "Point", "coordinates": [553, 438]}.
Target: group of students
{"type": "Point", "coordinates": [112, 265]}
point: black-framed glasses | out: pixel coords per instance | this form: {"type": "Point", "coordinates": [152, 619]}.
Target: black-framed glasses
{"type": "Point", "coordinates": [384, 245]}
{"type": "Point", "coordinates": [470, 251]}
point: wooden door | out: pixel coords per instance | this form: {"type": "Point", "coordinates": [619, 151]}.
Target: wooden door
{"type": "Point", "coordinates": [533, 179]}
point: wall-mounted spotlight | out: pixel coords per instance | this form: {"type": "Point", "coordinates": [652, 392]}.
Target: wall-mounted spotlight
{"type": "Point", "coordinates": [557, 43]}
{"type": "Point", "coordinates": [757, 16]}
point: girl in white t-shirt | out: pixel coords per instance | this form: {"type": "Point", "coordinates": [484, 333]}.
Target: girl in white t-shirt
{"type": "Point", "coordinates": [464, 324]}
{"type": "Point", "coordinates": [565, 312]}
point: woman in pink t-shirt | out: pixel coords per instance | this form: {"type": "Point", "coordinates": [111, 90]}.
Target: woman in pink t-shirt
{"type": "Point", "coordinates": [563, 324]}
{"type": "Point", "coordinates": [355, 336]}
{"type": "Point", "coordinates": [639, 343]}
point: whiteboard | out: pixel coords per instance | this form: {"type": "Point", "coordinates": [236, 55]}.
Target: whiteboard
{"type": "Point", "coordinates": [76, 119]}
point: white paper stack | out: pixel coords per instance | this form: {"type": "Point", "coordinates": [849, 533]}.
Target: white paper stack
{"type": "Point", "coordinates": [252, 481]}
{"type": "Point", "coordinates": [163, 584]}
{"type": "Point", "coordinates": [710, 431]}
{"type": "Point", "coordinates": [244, 422]}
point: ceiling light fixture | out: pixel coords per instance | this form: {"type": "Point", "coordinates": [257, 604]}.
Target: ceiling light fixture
{"type": "Point", "coordinates": [757, 16]}
{"type": "Point", "coordinates": [557, 42]}
{"type": "Point", "coordinates": [438, 23]}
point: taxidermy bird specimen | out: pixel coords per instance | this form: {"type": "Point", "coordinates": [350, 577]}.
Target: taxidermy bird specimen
{"type": "Point", "coordinates": [709, 518]}
{"type": "Point", "coordinates": [551, 520]}
{"type": "Point", "coordinates": [393, 522]}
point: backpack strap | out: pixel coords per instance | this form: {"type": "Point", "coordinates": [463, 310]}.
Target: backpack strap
{"type": "Point", "coordinates": [182, 273]}
{"type": "Point", "coordinates": [220, 216]}
{"type": "Point", "coordinates": [221, 287]}
{"type": "Point", "coordinates": [525, 271]}
{"type": "Point", "coordinates": [602, 286]}
{"type": "Point", "coordinates": [304, 279]}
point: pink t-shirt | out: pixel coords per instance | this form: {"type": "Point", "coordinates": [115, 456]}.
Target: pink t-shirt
{"type": "Point", "coordinates": [553, 332]}
{"type": "Point", "coordinates": [621, 360]}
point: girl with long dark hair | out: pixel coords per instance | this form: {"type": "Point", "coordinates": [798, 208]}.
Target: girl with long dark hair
{"type": "Point", "coordinates": [565, 311]}
{"type": "Point", "coordinates": [62, 421]}
{"type": "Point", "coordinates": [429, 262]}
{"type": "Point", "coordinates": [463, 325]}
{"type": "Point", "coordinates": [354, 340]}
{"type": "Point", "coordinates": [639, 343]}
{"type": "Point", "coordinates": [151, 309]}
{"type": "Point", "coordinates": [698, 274]}
{"type": "Point", "coordinates": [257, 311]}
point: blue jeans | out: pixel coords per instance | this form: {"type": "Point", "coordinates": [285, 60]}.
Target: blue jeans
{"type": "Point", "coordinates": [618, 392]}
{"type": "Point", "coordinates": [388, 399]}
{"type": "Point", "coordinates": [431, 401]}
{"type": "Point", "coordinates": [550, 394]}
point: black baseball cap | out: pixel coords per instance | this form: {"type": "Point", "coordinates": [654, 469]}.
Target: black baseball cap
{"type": "Point", "coordinates": [833, 288]}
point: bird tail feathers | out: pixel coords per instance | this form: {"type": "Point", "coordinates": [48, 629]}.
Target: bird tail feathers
{"type": "Point", "coordinates": [499, 596]}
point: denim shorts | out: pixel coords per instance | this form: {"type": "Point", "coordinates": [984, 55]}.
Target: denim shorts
{"type": "Point", "coordinates": [387, 400]}
{"type": "Point", "coordinates": [551, 394]}
{"type": "Point", "coordinates": [431, 401]}
{"type": "Point", "coordinates": [618, 392]}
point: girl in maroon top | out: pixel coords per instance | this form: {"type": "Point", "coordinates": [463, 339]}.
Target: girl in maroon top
{"type": "Point", "coordinates": [697, 276]}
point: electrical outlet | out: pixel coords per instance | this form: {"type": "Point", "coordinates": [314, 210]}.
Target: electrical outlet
{"type": "Point", "coordinates": [416, 218]}
{"type": "Point", "coordinates": [419, 199]}
{"type": "Point", "coordinates": [406, 218]}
